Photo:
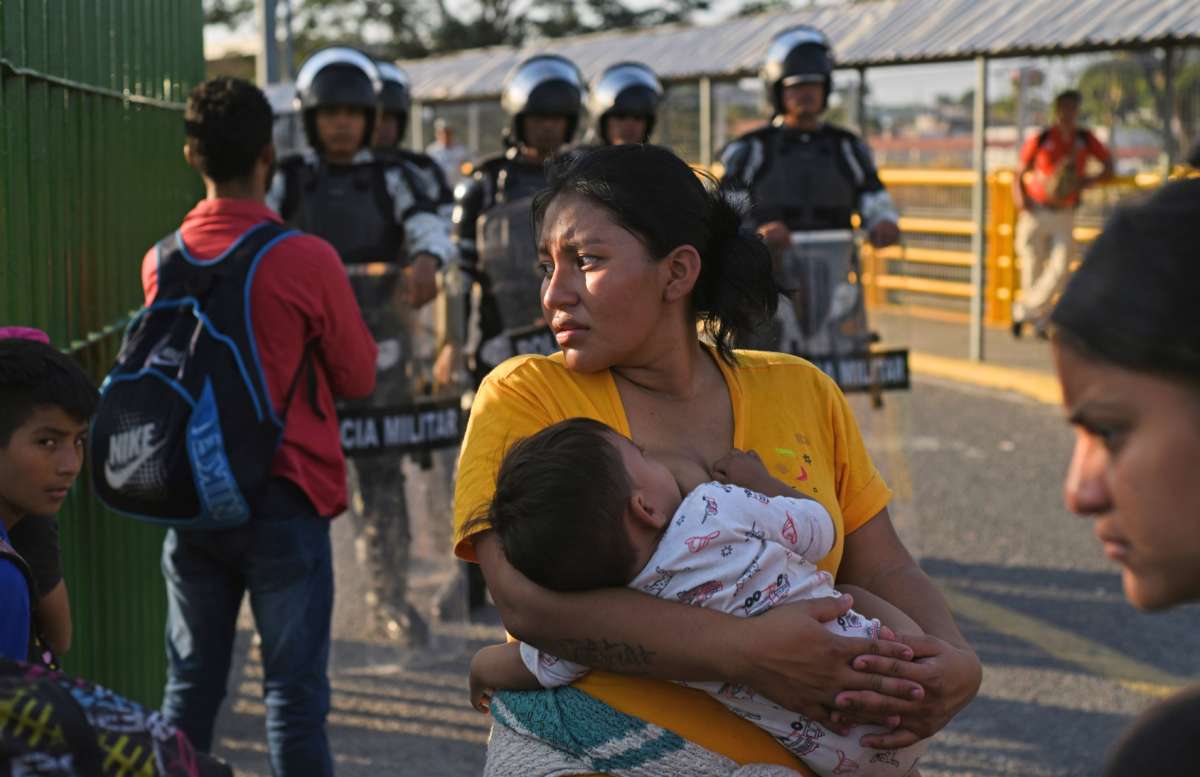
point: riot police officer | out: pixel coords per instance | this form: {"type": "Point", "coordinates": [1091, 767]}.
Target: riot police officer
{"type": "Point", "coordinates": [380, 213]}
{"type": "Point", "coordinates": [624, 103]}
{"type": "Point", "coordinates": [395, 104]}
{"type": "Point", "coordinates": [542, 96]}
{"type": "Point", "coordinates": [806, 179]}
{"type": "Point", "coordinates": [429, 474]}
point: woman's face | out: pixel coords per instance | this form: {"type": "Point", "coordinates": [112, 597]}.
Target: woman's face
{"type": "Point", "coordinates": [602, 291]}
{"type": "Point", "coordinates": [1135, 471]}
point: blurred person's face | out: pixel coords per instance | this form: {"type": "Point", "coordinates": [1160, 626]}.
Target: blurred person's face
{"type": "Point", "coordinates": [445, 136]}
{"type": "Point", "coordinates": [622, 129]}
{"type": "Point", "coordinates": [1067, 111]}
{"type": "Point", "coordinates": [387, 131]}
{"type": "Point", "coordinates": [39, 464]}
{"type": "Point", "coordinates": [803, 101]}
{"type": "Point", "coordinates": [1137, 446]}
{"type": "Point", "coordinates": [545, 133]}
{"type": "Point", "coordinates": [341, 129]}
{"type": "Point", "coordinates": [602, 290]}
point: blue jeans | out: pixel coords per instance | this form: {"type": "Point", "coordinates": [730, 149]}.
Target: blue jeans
{"type": "Point", "coordinates": [282, 556]}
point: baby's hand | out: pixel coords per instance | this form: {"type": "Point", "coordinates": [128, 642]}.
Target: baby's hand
{"type": "Point", "coordinates": [746, 469]}
{"type": "Point", "coordinates": [481, 694]}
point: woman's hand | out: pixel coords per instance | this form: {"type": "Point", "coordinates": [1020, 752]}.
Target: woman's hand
{"type": "Point", "coordinates": [789, 657]}
{"type": "Point", "coordinates": [950, 676]}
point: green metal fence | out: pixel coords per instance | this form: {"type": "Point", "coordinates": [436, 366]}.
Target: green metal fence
{"type": "Point", "coordinates": [91, 174]}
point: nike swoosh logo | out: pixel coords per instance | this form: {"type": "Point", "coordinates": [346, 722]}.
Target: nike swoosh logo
{"type": "Point", "coordinates": [117, 477]}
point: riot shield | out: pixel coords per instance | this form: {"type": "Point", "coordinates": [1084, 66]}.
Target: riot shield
{"type": "Point", "coordinates": [819, 276]}
{"type": "Point", "coordinates": [508, 255]}
{"type": "Point", "coordinates": [822, 315]}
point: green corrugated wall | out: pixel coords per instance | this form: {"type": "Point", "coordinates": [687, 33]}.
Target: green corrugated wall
{"type": "Point", "coordinates": [91, 175]}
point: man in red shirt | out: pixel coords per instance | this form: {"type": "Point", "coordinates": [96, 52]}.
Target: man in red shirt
{"type": "Point", "coordinates": [299, 294]}
{"type": "Point", "coordinates": [1046, 192]}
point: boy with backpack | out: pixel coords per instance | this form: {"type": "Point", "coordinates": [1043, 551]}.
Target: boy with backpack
{"type": "Point", "coordinates": [46, 401]}
{"type": "Point", "coordinates": [242, 310]}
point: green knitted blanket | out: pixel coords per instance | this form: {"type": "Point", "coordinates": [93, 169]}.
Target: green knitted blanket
{"type": "Point", "coordinates": [562, 731]}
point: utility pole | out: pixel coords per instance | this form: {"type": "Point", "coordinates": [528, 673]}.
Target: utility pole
{"type": "Point", "coordinates": [266, 66]}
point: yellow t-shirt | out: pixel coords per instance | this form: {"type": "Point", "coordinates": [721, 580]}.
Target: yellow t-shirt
{"type": "Point", "coordinates": [784, 408]}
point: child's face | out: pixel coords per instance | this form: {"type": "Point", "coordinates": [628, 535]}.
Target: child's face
{"type": "Point", "coordinates": [40, 463]}
{"type": "Point", "coordinates": [651, 478]}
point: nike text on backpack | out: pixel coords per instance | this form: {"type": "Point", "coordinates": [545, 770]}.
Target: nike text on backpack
{"type": "Point", "coordinates": [185, 432]}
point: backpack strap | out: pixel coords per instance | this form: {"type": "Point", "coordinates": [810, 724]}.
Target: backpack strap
{"type": "Point", "coordinates": [181, 275]}
{"type": "Point", "coordinates": [307, 369]}
{"type": "Point", "coordinates": [10, 553]}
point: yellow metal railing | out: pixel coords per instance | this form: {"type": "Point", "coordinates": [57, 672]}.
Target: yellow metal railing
{"type": "Point", "coordinates": [881, 277]}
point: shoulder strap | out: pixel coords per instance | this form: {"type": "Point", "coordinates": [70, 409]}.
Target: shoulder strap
{"type": "Point", "coordinates": [9, 552]}
{"type": "Point", "coordinates": [307, 368]}
{"type": "Point", "coordinates": [180, 275]}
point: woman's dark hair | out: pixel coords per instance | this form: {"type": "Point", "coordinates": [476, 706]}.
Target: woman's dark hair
{"type": "Point", "coordinates": [664, 203]}
{"type": "Point", "coordinates": [34, 375]}
{"type": "Point", "coordinates": [559, 508]}
{"type": "Point", "coordinates": [1133, 301]}
{"type": "Point", "coordinates": [231, 121]}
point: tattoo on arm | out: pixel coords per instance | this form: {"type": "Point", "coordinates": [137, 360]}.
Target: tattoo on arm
{"type": "Point", "coordinates": [602, 654]}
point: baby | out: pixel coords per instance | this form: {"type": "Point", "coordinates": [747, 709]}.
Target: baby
{"type": "Point", "coordinates": [741, 547]}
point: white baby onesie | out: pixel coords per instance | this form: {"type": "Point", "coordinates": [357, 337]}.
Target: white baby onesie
{"type": "Point", "coordinates": [732, 549]}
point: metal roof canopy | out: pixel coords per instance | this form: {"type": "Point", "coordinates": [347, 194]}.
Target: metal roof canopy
{"type": "Point", "coordinates": [891, 32]}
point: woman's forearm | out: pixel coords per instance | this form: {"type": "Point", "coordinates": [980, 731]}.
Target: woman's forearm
{"type": "Point", "coordinates": [613, 629]}
{"type": "Point", "coordinates": [910, 590]}
{"type": "Point", "coordinates": [876, 559]}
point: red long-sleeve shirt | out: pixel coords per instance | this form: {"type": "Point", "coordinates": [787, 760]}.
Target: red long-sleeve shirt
{"type": "Point", "coordinates": [299, 293]}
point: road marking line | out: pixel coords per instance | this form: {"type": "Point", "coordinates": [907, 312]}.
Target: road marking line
{"type": "Point", "coordinates": [1091, 657]}
{"type": "Point", "coordinates": [1036, 385]}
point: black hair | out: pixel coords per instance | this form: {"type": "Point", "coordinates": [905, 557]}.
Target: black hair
{"type": "Point", "coordinates": [33, 375]}
{"type": "Point", "coordinates": [663, 202]}
{"type": "Point", "coordinates": [1132, 302]}
{"type": "Point", "coordinates": [559, 507]}
{"type": "Point", "coordinates": [1074, 95]}
{"type": "Point", "coordinates": [231, 121]}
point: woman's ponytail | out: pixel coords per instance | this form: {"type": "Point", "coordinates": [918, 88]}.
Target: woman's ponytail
{"type": "Point", "coordinates": [736, 292]}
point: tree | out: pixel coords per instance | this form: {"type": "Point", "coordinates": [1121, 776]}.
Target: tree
{"type": "Point", "coordinates": [403, 29]}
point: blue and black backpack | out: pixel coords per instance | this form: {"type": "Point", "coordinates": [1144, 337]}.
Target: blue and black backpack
{"type": "Point", "coordinates": [185, 431]}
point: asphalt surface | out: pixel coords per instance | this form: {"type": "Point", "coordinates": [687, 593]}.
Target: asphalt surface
{"type": "Point", "coordinates": [977, 475]}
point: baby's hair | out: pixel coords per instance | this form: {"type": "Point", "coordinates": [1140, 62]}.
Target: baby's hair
{"type": "Point", "coordinates": [34, 374]}
{"type": "Point", "coordinates": [559, 507]}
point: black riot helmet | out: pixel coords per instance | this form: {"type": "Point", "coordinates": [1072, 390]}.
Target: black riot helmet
{"type": "Point", "coordinates": [625, 89]}
{"type": "Point", "coordinates": [544, 85]}
{"type": "Point", "coordinates": [798, 55]}
{"type": "Point", "coordinates": [395, 97]}
{"type": "Point", "coordinates": [337, 76]}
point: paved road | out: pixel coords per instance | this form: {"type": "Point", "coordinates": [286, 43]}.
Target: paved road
{"type": "Point", "coordinates": [977, 479]}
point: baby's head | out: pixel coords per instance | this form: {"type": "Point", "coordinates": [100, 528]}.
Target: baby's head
{"type": "Point", "coordinates": [579, 506]}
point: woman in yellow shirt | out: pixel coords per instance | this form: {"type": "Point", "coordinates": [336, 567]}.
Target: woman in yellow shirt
{"type": "Point", "coordinates": [635, 250]}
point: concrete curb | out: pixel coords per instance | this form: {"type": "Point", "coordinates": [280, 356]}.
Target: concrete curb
{"type": "Point", "coordinates": [1035, 385]}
